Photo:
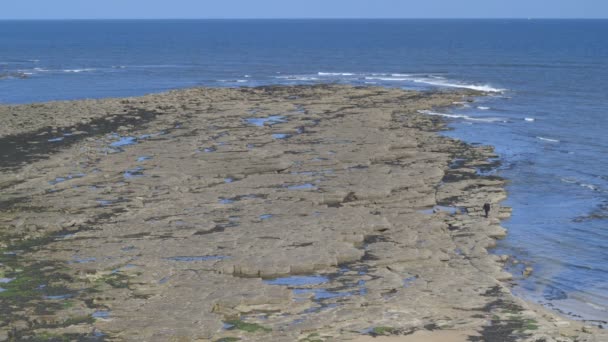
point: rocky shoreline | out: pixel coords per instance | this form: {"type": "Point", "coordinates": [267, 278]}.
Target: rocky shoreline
{"type": "Point", "coordinates": [307, 213]}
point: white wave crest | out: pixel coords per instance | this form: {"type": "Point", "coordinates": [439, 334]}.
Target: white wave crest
{"type": "Point", "coordinates": [427, 79]}
{"type": "Point", "coordinates": [547, 139]}
{"type": "Point", "coordinates": [461, 116]}
{"type": "Point", "coordinates": [389, 79]}
{"type": "Point", "coordinates": [530, 119]}
{"type": "Point", "coordinates": [335, 74]}
{"type": "Point", "coordinates": [478, 87]}
{"type": "Point", "coordinates": [297, 78]}
{"type": "Point", "coordinates": [482, 108]}
{"type": "Point", "coordinates": [570, 180]}
{"type": "Point", "coordinates": [76, 71]}
{"type": "Point", "coordinates": [433, 80]}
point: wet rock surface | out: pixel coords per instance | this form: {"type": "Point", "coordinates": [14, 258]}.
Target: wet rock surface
{"type": "Point", "coordinates": [272, 214]}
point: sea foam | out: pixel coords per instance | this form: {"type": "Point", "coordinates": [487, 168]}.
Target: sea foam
{"type": "Point", "coordinates": [461, 116]}
{"type": "Point", "coordinates": [548, 139]}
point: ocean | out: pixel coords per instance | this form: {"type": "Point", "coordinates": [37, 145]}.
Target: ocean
{"type": "Point", "coordinates": [547, 113]}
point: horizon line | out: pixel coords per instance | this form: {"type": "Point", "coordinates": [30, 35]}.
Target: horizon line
{"type": "Point", "coordinates": [314, 18]}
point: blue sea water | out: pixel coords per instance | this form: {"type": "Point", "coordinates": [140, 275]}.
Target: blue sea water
{"type": "Point", "coordinates": [547, 114]}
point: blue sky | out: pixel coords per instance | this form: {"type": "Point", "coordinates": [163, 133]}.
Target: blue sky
{"type": "Point", "coordinates": [146, 9]}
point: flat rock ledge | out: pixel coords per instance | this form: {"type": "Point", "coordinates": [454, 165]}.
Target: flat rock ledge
{"type": "Point", "coordinates": [307, 213]}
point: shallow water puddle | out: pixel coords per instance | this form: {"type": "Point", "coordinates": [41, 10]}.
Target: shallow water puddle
{"type": "Point", "coordinates": [198, 258]}
{"type": "Point", "coordinates": [135, 172]}
{"type": "Point", "coordinates": [124, 141]}
{"type": "Point", "coordinates": [265, 217]}
{"type": "Point", "coordinates": [6, 280]}
{"type": "Point", "coordinates": [298, 285]}
{"type": "Point", "coordinates": [76, 260]}
{"type": "Point", "coordinates": [407, 282]}
{"type": "Point", "coordinates": [66, 178]}
{"type": "Point", "coordinates": [323, 288]}
{"type": "Point", "coordinates": [280, 136]}
{"type": "Point", "coordinates": [224, 200]}
{"type": "Point", "coordinates": [445, 209]}
{"type": "Point", "coordinates": [209, 149]}
{"type": "Point", "coordinates": [143, 158]}
{"type": "Point", "coordinates": [270, 120]}
{"type": "Point", "coordinates": [59, 297]}
{"type": "Point", "coordinates": [101, 314]}
{"type": "Point", "coordinates": [307, 186]}
{"type": "Point", "coordinates": [105, 203]}
{"type": "Point", "coordinates": [56, 139]}
{"type": "Point", "coordinates": [298, 280]}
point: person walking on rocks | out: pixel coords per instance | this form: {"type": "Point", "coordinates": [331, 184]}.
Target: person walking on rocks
{"type": "Point", "coordinates": [486, 208]}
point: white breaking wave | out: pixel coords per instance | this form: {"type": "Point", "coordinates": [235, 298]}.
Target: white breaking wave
{"type": "Point", "coordinates": [390, 79]}
{"type": "Point", "coordinates": [298, 78]}
{"type": "Point", "coordinates": [77, 70]}
{"type": "Point", "coordinates": [530, 119]}
{"type": "Point", "coordinates": [548, 139]}
{"type": "Point", "coordinates": [335, 74]}
{"type": "Point", "coordinates": [579, 183]}
{"type": "Point", "coordinates": [438, 81]}
{"type": "Point", "coordinates": [480, 87]}
{"type": "Point", "coordinates": [427, 79]}
{"type": "Point", "coordinates": [461, 116]}
{"type": "Point", "coordinates": [482, 108]}
{"type": "Point", "coordinates": [233, 81]}
{"type": "Point", "coordinates": [589, 186]}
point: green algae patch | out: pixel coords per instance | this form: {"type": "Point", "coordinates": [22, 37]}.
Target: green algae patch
{"type": "Point", "coordinates": [383, 331]}
{"type": "Point", "coordinates": [48, 337]}
{"type": "Point", "coordinates": [228, 339]}
{"type": "Point", "coordinates": [33, 281]}
{"type": "Point", "coordinates": [116, 280]}
{"type": "Point", "coordinates": [53, 337]}
{"type": "Point", "coordinates": [38, 292]}
{"type": "Point", "coordinates": [314, 337]}
{"type": "Point", "coordinates": [237, 324]}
